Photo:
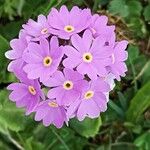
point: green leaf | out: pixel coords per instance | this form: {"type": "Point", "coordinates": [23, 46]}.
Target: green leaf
{"type": "Point", "coordinates": [11, 30]}
{"type": "Point", "coordinates": [49, 6]}
{"type": "Point", "coordinates": [137, 25]}
{"type": "Point", "coordinates": [32, 144]}
{"type": "Point", "coordinates": [123, 146]}
{"type": "Point", "coordinates": [119, 7]}
{"type": "Point", "coordinates": [147, 13]}
{"type": "Point", "coordinates": [116, 108]}
{"type": "Point", "coordinates": [4, 45]}
{"type": "Point", "coordinates": [143, 141]}
{"type": "Point", "coordinates": [133, 53]}
{"type": "Point", "coordinates": [88, 127]}
{"type": "Point", "coordinates": [139, 103]}
{"type": "Point", "coordinates": [135, 8]}
{"type": "Point", "coordinates": [3, 128]}
{"type": "Point", "coordinates": [145, 72]}
{"type": "Point", "coordinates": [10, 116]}
{"type": "Point", "coordinates": [123, 100]}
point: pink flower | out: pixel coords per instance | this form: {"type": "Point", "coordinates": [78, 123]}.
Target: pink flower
{"type": "Point", "coordinates": [66, 86]}
{"type": "Point", "coordinates": [42, 59]}
{"type": "Point", "coordinates": [74, 56]}
{"type": "Point", "coordinates": [26, 94]}
{"type": "Point", "coordinates": [37, 29]}
{"type": "Point", "coordinates": [92, 101]}
{"type": "Point", "coordinates": [119, 55]}
{"type": "Point", "coordinates": [89, 55]}
{"type": "Point", "coordinates": [99, 26]}
{"type": "Point", "coordinates": [51, 113]}
{"type": "Point", "coordinates": [18, 47]}
{"type": "Point", "coordinates": [67, 23]}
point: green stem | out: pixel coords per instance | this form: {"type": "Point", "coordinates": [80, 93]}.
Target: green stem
{"type": "Point", "coordinates": [134, 74]}
{"type": "Point", "coordinates": [14, 141]}
{"type": "Point", "coordinates": [141, 72]}
{"type": "Point", "coordinates": [60, 139]}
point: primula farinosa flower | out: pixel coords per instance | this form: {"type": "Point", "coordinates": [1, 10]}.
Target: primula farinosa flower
{"type": "Point", "coordinates": [99, 26]}
{"type": "Point", "coordinates": [92, 101]}
{"type": "Point", "coordinates": [67, 86]}
{"type": "Point", "coordinates": [51, 113]}
{"type": "Point", "coordinates": [26, 94]}
{"type": "Point", "coordinates": [67, 23]}
{"type": "Point", "coordinates": [74, 56]}
{"type": "Point", "coordinates": [37, 29]}
{"type": "Point", "coordinates": [119, 55]}
{"type": "Point", "coordinates": [89, 55]}
{"type": "Point", "coordinates": [42, 59]}
{"type": "Point", "coordinates": [18, 47]}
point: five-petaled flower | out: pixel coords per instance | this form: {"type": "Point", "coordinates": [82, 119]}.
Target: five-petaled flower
{"type": "Point", "coordinates": [65, 23]}
{"type": "Point", "coordinates": [65, 87]}
{"type": "Point", "coordinates": [42, 59]}
{"type": "Point", "coordinates": [89, 55]}
{"type": "Point", "coordinates": [51, 113]}
{"type": "Point", "coordinates": [27, 93]}
{"type": "Point", "coordinates": [37, 29]}
{"type": "Point", "coordinates": [92, 101]}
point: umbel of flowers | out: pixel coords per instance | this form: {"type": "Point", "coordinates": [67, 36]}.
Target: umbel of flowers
{"type": "Point", "coordinates": [74, 56]}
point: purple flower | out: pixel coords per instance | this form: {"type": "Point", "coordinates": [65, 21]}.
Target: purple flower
{"type": "Point", "coordinates": [67, 23]}
{"type": "Point", "coordinates": [42, 59]}
{"type": "Point", "coordinates": [66, 87]}
{"type": "Point", "coordinates": [118, 66]}
{"type": "Point", "coordinates": [92, 101]}
{"type": "Point", "coordinates": [37, 29]}
{"type": "Point", "coordinates": [51, 113]}
{"type": "Point", "coordinates": [89, 55]}
{"type": "Point", "coordinates": [26, 94]}
{"type": "Point", "coordinates": [18, 47]}
{"type": "Point", "coordinates": [77, 66]}
{"type": "Point", "coordinates": [99, 26]}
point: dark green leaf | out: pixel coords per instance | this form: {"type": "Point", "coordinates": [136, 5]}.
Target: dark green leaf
{"type": "Point", "coordinates": [10, 116]}
{"type": "Point", "coordinates": [139, 103]}
{"type": "Point", "coordinates": [147, 13]}
{"type": "Point", "coordinates": [116, 108]}
{"type": "Point", "coordinates": [135, 8]}
{"type": "Point", "coordinates": [119, 7]}
{"type": "Point", "coordinates": [123, 146]}
{"type": "Point", "coordinates": [88, 127]}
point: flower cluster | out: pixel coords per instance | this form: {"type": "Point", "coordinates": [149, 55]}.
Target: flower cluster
{"type": "Point", "coordinates": [66, 64]}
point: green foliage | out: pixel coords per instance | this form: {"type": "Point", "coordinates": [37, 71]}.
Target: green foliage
{"type": "Point", "coordinates": [143, 141]}
{"type": "Point", "coordinates": [88, 127]}
{"type": "Point", "coordinates": [147, 13]}
{"type": "Point", "coordinates": [131, 11]}
{"type": "Point", "coordinates": [119, 7]}
{"type": "Point", "coordinates": [10, 118]}
{"type": "Point", "coordinates": [139, 103]}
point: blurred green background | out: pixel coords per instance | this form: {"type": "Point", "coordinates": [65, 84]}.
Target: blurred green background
{"type": "Point", "coordinates": [126, 123]}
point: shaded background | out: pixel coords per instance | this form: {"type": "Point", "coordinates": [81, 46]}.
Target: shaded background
{"type": "Point", "coordinates": [126, 123]}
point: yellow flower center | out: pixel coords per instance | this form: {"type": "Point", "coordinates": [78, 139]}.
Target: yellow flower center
{"type": "Point", "coordinates": [47, 61]}
{"type": "Point", "coordinates": [53, 104]}
{"type": "Point", "coordinates": [88, 94]}
{"type": "Point", "coordinates": [32, 90]}
{"type": "Point", "coordinates": [44, 31]}
{"type": "Point", "coordinates": [68, 85]}
{"type": "Point", "coordinates": [87, 57]}
{"type": "Point", "coordinates": [69, 28]}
